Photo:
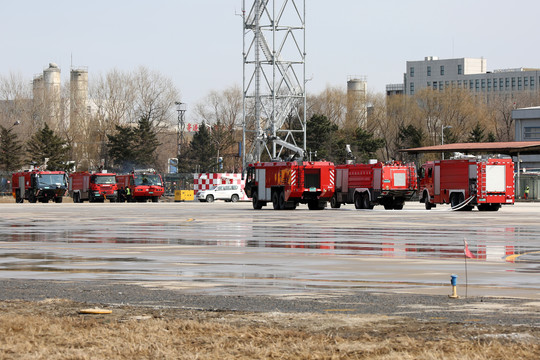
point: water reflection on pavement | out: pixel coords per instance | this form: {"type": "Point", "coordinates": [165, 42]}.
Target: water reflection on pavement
{"type": "Point", "coordinates": [230, 247]}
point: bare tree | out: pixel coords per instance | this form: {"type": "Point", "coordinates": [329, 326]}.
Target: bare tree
{"type": "Point", "coordinates": [332, 103]}
{"type": "Point", "coordinates": [222, 112]}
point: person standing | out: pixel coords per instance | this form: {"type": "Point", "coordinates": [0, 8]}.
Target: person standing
{"type": "Point", "coordinates": [526, 194]}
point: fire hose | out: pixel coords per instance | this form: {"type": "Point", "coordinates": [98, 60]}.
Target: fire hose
{"type": "Point", "coordinates": [463, 204]}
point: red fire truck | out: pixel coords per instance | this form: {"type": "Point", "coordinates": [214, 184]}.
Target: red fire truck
{"type": "Point", "coordinates": [287, 184]}
{"type": "Point", "coordinates": [465, 183]}
{"type": "Point", "coordinates": [367, 185]}
{"type": "Point", "coordinates": [96, 187]}
{"type": "Point", "coordinates": [140, 186]}
{"type": "Point", "coordinates": [37, 185]}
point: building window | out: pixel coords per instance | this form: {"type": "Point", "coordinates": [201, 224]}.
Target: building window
{"type": "Point", "coordinates": [507, 83]}
{"type": "Point", "coordinates": [531, 133]}
{"type": "Point", "coordinates": [526, 81]}
{"type": "Point", "coordinates": [412, 88]}
{"type": "Point", "coordinates": [441, 86]}
{"type": "Point", "coordinates": [495, 81]}
{"type": "Point", "coordinates": [442, 70]}
{"type": "Point", "coordinates": [429, 71]}
{"type": "Point", "coordinates": [489, 84]}
{"type": "Point", "coordinates": [429, 84]}
{"type": "Point", "coordinates": [434, 85]}
{"type": "Point", "coordinates": [412, 71]}
{"type": "Point", "coordinates": [501, 83]}
{"type": "Point", "coordinates": [460, 69]}
{"type": "Point", "coordinates": [477, 84]}
{"type": "Point", "coordinates": [459, 83]}
{"type": "Point", "coordinates": [471, 84]}
{"type": "Point", "coordinates": [519, 83]}
{"type": "Point", "coordinates": [513, 83]}
{"type": "Point", "coordinates": [532, 82]}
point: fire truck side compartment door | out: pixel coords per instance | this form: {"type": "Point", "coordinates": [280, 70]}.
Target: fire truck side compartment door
{"type": "Point", "coordinates": [21, 186]}
{"type": "Point", "coordinates": [261, 177]}
{"type": "Point", "coordinates": [495, 178]}
{"type": "Point", "coordinates": [437, 180]}
{"type": "Point", "coordinates": [86, 183]}
{"type": "Point", "coordinates": [472, 171]}
{"type": "Point", "coordinates": [377, 173]}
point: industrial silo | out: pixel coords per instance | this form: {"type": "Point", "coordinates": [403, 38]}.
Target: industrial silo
{"type": "Point", "coordinates": [356, 102]}
{"type": "Point", "coordinates": [78, 92]}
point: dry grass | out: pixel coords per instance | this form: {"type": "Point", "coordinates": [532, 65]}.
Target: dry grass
{"type": "Point", "coordinates": [55, 330]}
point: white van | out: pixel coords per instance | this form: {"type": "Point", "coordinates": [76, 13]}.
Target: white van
{"type": "Point", "coordinates": [221, 192]}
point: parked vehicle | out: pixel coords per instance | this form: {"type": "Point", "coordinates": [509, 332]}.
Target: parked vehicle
{"type": "Point", "coordinates": [92, 187]}
{"type": "Point", "coordinates": [466, 183]}
{"type": "Point", "coordinates": [37, 185]}
{"type": "Point", "coordinates": [287, 184]}
{"type": "Point", "coordinates": [367, 185]}
{"type": "Point", "coordinates": [231, 193]}
{"type": "Point", "coordinates": [140, 186]}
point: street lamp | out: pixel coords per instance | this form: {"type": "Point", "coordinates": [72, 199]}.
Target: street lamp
{"type": "Point", "coordinates": [442, 136]}
{"type": "Point", "coordinates": [181, 108]}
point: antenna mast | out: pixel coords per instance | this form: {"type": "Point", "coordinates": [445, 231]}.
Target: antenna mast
{"type": "Point", "coordinates": [274, 96]}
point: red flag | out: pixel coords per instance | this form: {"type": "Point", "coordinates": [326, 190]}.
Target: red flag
{"type": "Point", "coordinates": [468, 252]}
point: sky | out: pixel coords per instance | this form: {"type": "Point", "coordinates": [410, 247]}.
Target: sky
{"type": "Point", "coordinates": [198, 43]}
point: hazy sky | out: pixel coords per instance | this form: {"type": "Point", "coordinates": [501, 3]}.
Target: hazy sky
{"type": "Point", "coordinates": [198, 43]}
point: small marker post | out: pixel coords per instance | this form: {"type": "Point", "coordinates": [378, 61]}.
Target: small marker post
{"type": "Point", "coordinates": [453, 281]}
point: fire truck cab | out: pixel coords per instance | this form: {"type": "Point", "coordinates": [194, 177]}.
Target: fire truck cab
{"type": "Point", "coordinates": [140, 186]}
{"type": "Point", "coordinates": [93, 187]}
{"type": "Point", "coordinates": [37, 185]}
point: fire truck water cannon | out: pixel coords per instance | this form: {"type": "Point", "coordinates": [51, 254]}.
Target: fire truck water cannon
{"type": "Point", "coordinates": [38, 185]}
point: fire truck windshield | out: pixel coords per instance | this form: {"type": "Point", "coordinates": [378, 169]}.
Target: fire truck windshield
{"type": "Point", "coordinates": [105, 179]}
{"type": "Point", "coordinates": [147, 180]}
{"type": "Point", "coordinates": [51, 179]}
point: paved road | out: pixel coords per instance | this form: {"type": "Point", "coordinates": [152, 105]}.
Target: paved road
{"type": "Point", "coordinates": [231, 249]}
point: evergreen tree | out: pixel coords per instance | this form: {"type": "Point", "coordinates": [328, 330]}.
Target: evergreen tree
{"type": "Point", "coordinates": [477, 134]}
{"type": "Point", "coordinates": [366, 145]}
{"type": "Point", "coordinates": [45, 144]}
{"type": "Point", "coordinates": [202, 151]}
{"type": "Point", "coordinates": [321, 136]}
{"type": "Point", "coordinates": [11, 150]}
{"type": "Point", "coordinates": [146, 143]}
{"type": "Point", "coordinates": [133, 147]}
{"type": "Point", "coordinates": [410, 137]}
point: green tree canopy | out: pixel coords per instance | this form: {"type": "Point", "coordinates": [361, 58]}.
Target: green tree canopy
{"type": "Point", "coordinates": [321, 136]}
{"type": "Point", "coordinates": [45, 144]}
{"type": "Point", "coordinates": [133, 147]}
{"type": "Point", "coordinates": [11, 150]}
{"type": "Point", "coordinates": [201, 153]}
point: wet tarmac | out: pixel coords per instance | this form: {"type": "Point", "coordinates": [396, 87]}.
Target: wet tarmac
{"type": "Point", "coordinates": [226, 248]}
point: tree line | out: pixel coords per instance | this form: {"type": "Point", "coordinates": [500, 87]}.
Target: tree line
{"type": "Point", "coordinates": [132, 122]}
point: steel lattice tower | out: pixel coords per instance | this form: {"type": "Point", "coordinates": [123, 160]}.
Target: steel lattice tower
{"type": "Point", "coordinates": [274, 95]}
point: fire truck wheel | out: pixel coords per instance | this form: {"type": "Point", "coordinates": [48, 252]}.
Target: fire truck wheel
{"type": "Point", "coordinates": [388, 206]}
{"type": "Point", "coordinates": [209, 198]}
{"type": "Point", "coordinates": [398, 206]}
{"type": "Point", "coordinates": [358, 203]}
{"type": "Point", "coordinates": [257, 205]}
{"type": "Point", "coordinates": [367, 203]}
{"type": "Point", "coordinates": [334, 203]}
{"type": "Point", "coordinates": [155, 199]}
{"type": "Point", "coordinates": [281, 200]}
{"type": "Point", "coordinates": [427, 203]}
{"type": "Point", "coordinates": [32, 198]}
{"type": "Point", "coordinates": [454, 200]}
{"type": "Point", "coordinates": [18, 198]}
{"type": "Point", "coordinates": [235, 198]}
{"type": "Point", "coordinates": [58, 200]}
{"type": "Point", "coordinates": [275, 200]}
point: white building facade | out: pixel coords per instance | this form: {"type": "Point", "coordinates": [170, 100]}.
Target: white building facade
{"type": "Point", "coordinates": [467, 73]}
